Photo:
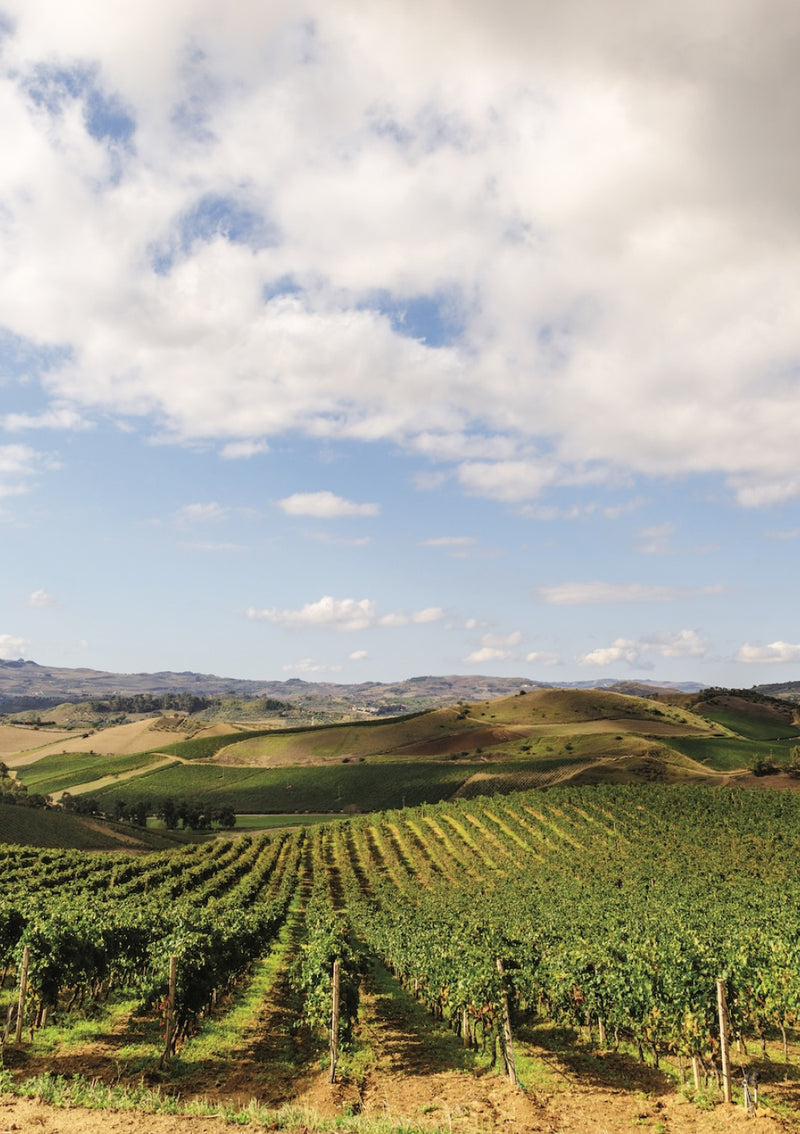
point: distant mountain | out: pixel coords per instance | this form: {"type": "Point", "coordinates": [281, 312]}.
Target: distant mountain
{"type": "Point", "coordinates": [27, 685]}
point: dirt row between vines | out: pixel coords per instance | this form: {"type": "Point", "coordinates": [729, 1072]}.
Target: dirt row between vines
{"type": "Point", "coordinates": [411, 1071]}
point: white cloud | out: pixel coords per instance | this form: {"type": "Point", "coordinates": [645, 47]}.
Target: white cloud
{"type": "Point", "coordinates": [200, 513]}
{"type": "Point", "coordinates": [309, 665]}
{"type": "Point", "coordinates": [542, 657]}
{"type": "Point", "coordinates": [428, 614]}
{"type": "Point", "coordinates": [18, 465]}
{"type": "Point", "coordinates": [487, 654]}
{"type": "Point", "coordinates": [358, 655]}
{"type": "Point", "coordinates": [344, 615]}
{"type": "Point", "coordinates": [774, 652]}
{"type": "Point", "coordinates": [495, 647]}
{"type": "Point", "coordinates": [11, 646]}
{"type": "Point", "coordinates": [600, 209]}
{"type": "Point", "coordinates": [57, 417]}
{"type": "Point", "coordinates": [601, 594]}
{"type": "Point", "coordinates": [40, 598]}
{"type": "Point", "coordinates": [242, 450]}
{"type": "Point", "coordinates": [510, 481]}
{"type": "Point", "coordinates": [324, 506]}
{"type": "Point", "coordinates": [639, 652]}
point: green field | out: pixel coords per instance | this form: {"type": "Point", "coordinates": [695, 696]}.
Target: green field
{"type": "Point", "coordinates": [531, 740]}
{"type": "Point", "coordinates": [276, 822]}
{"type": "Point", "coordinates": [66, 770]}
{"type": "Point", "coordinates": [342, 787]}
{"type": "Point", "coordinates": [730, 753]}
{"type": "Point", "coordinates": [206, 747]}
{"type": "Point", "coordinates": [30, 826]}
{"type": "Point", "coordinates": [751, 727]}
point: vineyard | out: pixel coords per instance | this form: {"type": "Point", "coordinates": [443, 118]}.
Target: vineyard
{"type": "Point", "coordinates": [601, 922]}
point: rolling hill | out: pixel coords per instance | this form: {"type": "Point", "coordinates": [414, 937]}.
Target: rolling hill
{"type": "Point", "coordinates": [533, 739]}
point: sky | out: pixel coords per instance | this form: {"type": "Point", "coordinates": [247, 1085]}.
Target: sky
{"type": "Point", "coordinates": [356, 341]}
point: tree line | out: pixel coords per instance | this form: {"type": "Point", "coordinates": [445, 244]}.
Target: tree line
{"type": "Point", "coordinates": [175, 812]}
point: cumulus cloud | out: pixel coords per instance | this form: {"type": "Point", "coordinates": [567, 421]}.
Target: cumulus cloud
{"type": "Point", "coordinates": [40, 598]}
{"type": "Point", "coordinates": [324, 506]}
{"type": "Point", "coordinates": [242, 450]}
{"type": "Point", "coordinates": [57, 417]}
{"type": "Point", "coordinates": [344, 615]}
{"type": "Point", "coordinates": [495, 647]}
{"type": "Point", "coordinates": [602, 594]}
{"type": "Point", "coordinates": [487, 654]}
{"type": "Point", "coordinates": [596, 210]}
{"type": "Point", "coordinates": [639, 652]}
{"type": "Point", "coordinates": [358, 655]}
{"type": "Point", "coordinates": [11, 646]}
{"type": "Point", "coordinates": [772, 653]}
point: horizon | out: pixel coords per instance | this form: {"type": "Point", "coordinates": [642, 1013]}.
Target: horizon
{"type": "Point", "coordinates": [335, 342]}
{"type": "Point", "coordinates": [606, 680]}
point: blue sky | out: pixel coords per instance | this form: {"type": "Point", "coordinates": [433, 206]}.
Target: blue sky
{"type": "Point", "coordinates": [354, 343]}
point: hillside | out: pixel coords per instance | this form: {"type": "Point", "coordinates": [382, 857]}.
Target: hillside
{"type": "Point", "coordinates": [534, 739]}
{"type": "Point", "coordinates": [28, 826]}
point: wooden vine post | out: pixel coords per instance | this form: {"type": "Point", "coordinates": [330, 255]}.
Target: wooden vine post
{"type": "Point", "coordinates": [508, 1039]}
{"type": "Point", "coordinates": [723, 1042]}
{"type": "Point", "coordinates": [335, 1018]}
{"type": "Point", "coordinates": [23, 989]}
{"type": "Point", "coordinates": [170, 1023]}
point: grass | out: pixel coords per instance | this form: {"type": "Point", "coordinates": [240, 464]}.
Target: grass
{"type": "Point", "coordinates": [30, 826]}
{"type": "Point", "coordinates": [206, 747]}
{"type": "Point", "coordinates": [82, 1028]}
{"type": "Point", "coordinates": [359, 787]}
{"type": "Point", "coordinates": [76, 1090]}
{"type": "Point", "coordinates": [65, 770]}
{"type": "Point", "coordinates": [751, 727]}
{"type": "Point", "coordinates": [729, 753]}
{"type": "Point", "coordinates": [273, 822]}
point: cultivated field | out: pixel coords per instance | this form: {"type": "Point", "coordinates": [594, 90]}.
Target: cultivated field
{"type": "Point", "coordinates": [600, 903]}
{"type": "Point", "coordinates": [534, 740]}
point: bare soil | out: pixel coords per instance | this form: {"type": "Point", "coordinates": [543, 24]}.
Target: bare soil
{"type": "Point", "coordinates": [402, 1068]}
{"type": "Point", "coordinates": [443, 1100]}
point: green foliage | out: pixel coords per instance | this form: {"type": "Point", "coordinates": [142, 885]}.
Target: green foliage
{"type": "Point", "coordinates": [363, 787]}
{"type": "Point", "coordinates": [328, 940]}
{"type": "Point", "coordinates": [619, 906]}
{"type": "Point", "coordinates": [728, 753]}
{"type": "Point", "coordinates": [206, 747]}
{"type": "Point", "coordinates": [66, 770]}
